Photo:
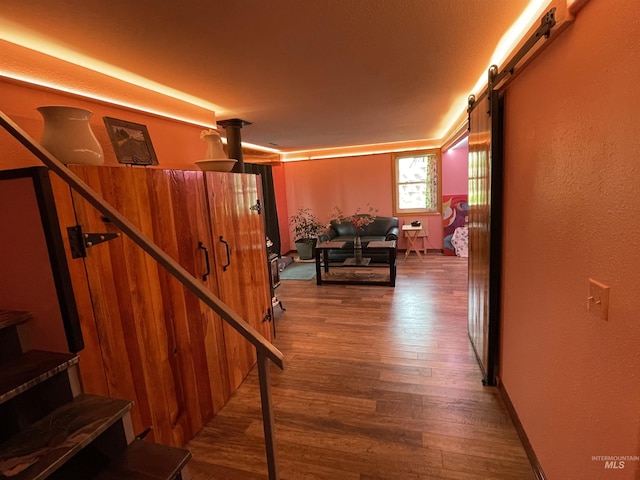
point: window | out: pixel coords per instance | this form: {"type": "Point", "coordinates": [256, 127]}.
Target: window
{"type": "Point", "coordinates": [416, 182]}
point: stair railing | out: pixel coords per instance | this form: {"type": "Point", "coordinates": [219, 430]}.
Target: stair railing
{"type": "Point", "coordinates": [265, 351]}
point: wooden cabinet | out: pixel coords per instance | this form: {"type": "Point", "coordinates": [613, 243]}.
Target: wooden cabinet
{"type": "Point", "coordinates": [241, 263]}
{"type": "Point", "coordinates": [154, 342]}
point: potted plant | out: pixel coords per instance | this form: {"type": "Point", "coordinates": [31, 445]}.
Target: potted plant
{"type": "Point", "coordinates": [305, 227]}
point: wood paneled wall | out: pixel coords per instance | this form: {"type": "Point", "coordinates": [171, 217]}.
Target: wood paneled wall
{"type": "Point", "coordinates": [148, 338]}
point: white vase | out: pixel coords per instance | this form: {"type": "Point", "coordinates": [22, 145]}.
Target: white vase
{"type": "Point", "coordinates": [68, 136]}
{"type": "Point", "coordinates": [214, 145]}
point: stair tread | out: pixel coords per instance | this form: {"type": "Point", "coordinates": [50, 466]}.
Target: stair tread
{"type": "Point", "coordinates": [144, 460]}
{"type": "Point", "coordinates": [12, 317]}
{"type": "Point", "coordinates": [30, 369]}
{"type": "Point", "coordinates": [39, 450]}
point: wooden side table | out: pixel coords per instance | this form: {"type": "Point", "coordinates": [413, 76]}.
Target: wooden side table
{"type": "Point", "coordinates": [412, 234]}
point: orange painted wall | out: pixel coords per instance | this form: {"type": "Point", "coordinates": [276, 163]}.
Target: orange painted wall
{"type": "Point", "coordinates": [24, 263]}
{"type": "Point", "coordinates": [572, 190]}
{"type": "Point", "coordinates": [176, 144]}
{"type": "Point", "coordinates": [455, 171]}
{"type": "Point", "coordinates": [349, 183]}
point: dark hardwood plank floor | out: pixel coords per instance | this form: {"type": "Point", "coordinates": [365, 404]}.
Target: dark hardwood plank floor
{"type": "Point", "coordinates": [380, 384]}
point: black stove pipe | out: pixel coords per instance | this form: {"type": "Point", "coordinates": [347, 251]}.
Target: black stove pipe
{"type": "Point", "coordinates": [232, 128]}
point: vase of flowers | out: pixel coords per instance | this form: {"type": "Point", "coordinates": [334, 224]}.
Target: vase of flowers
{"type": "Point", "coordinates": [357, 249]}
{"type": "Point", "coordinates": [359, 220]}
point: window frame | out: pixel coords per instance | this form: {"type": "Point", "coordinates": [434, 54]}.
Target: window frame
{"type": "Point", "coordinates": [398, 212]}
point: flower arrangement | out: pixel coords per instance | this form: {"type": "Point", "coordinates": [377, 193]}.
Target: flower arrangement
{"type": "Point", "coordinates": [359, 219]}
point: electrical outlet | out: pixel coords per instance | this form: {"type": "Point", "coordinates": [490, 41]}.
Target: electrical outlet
{"type": "Point", "coordinates": [598, 299]}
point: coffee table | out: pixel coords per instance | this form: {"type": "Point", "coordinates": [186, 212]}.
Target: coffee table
{"type": "Point", "coordinates": [350, 274]}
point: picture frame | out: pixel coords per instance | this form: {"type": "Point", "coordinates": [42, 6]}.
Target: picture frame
{"type": "Point", "coordinates": [131, 142]}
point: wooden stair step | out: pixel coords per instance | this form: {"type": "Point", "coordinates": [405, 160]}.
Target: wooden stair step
{"type": "Point", "coordinates": [9, 318]}
{"type": "Point", "coordinates": [144, 460]}
{"type": "Point", "coordinates": [30, 369]}
{"type": "Point", "coordinates": [10, 346]}
{"type": "Point", "coordinates": [45, 446]}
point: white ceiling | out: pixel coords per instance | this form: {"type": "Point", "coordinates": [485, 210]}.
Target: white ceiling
{"type": "Point", "coordinates": [307, 74]}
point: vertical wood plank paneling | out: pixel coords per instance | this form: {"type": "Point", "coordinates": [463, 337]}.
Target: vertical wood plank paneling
{"type": "Point", "coordinates": [259, 267]}
{"type": "Point", "coordinates": [144, 299]}
{"type": "Point", "coordinates": [157, 209]}
{"type": "Point", "coordinates": [91, 365]}
{"type": "Point", "coordinates": [203, 378]}
{"type": "Point", "coordinates": [209, 329]}
{"type": "Point", "coordinates": [153, 341]}
{"type": "Point", "coordinates": [181, 244]}
{"type": "Point", "coordinates": [244, 284]}
{"type": "Point", "coordinates": [226, 218]}
{"type": "Point", "coordinates": [135, 305]}
{"type": "Point", "coordinates": [117, 338]}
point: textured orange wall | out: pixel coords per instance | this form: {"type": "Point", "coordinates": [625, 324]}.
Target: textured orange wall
{"type": "Point", "coordinates": [26, 282]}
{"type": "Point", "coordinates": [349, 183]}
{"type": "Point", "coordinates": [572, 190]}
{"type": "Point", "coordinates": [176, 144]}
{"type": "Point", "coordinates": [455, 171]}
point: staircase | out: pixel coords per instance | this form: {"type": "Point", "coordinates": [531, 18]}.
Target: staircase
{"type": "Point", "coordinates": [50, 429]}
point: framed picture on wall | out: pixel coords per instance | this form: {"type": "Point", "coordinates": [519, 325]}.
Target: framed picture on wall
{"type": "Point", "coordinates": [131, 142]}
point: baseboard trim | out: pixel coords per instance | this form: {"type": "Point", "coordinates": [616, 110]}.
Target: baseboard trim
{"type": "Point", "coordinates": [430, 251]}
{"type": "Point", "coordinates": [531, 454]}
{"type": "Point", "coordinates": [433, 251]}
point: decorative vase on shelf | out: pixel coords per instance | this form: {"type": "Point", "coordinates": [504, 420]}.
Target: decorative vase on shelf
{"type": "Point", "coordinates": [214, 158]}
{"type": "Point", "coordinates": [68, 136]}
{"type": "Point", "coordinates": [214, 144]}
{"type": "Point", "coordinates": [357, 249]}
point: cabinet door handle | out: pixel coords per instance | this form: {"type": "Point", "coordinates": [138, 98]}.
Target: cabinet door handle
{"type": "Point", "coordinates": [206, 260]}
{"type": "Point", "coordinates": [226, 244]}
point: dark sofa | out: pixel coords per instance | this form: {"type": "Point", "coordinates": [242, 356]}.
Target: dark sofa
{"type": "Point", "coordinates": [382, 228]}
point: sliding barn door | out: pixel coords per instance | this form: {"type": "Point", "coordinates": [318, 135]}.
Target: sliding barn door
{"type": "Point", "coordinates": [485, 230]}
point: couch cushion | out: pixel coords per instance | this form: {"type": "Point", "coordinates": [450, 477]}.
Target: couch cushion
{"type": "Point", "coordinates": [344, 229]}
{"type": "Point", "coordinates": [381, 226]}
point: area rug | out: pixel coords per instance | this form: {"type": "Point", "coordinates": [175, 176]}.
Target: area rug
{"type": "Point", "coordinates": [299, 271]}
{"type": "Point", "coordinates": [372, 275]}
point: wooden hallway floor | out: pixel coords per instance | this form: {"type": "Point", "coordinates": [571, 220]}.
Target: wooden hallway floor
{"type": "Point", "coordinates": [380, 384]}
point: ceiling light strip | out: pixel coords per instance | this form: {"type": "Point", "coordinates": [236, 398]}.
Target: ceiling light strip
{"type": "Point", "coordinates": [102, 99]}
{"type": "Point", "coordinates": [339, 153]}
{"type": "Point", "coordinates": [11, 76]}
{"type": "Point", "coordinates": [36, 42]}
{"type": "Point", "coordinates": [505, 47]}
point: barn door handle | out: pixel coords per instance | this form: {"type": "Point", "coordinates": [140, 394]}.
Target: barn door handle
{"type": "Point", "coordinates": [206, 260]}
{"type": "Point", "coordinates": [224, 267]}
